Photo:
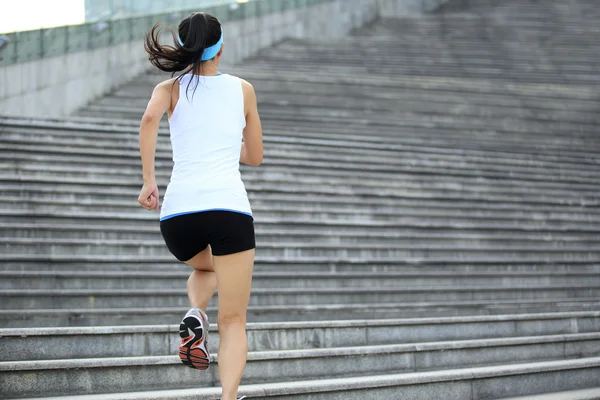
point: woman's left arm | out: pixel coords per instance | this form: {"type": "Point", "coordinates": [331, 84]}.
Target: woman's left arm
{"type": "Point", "coordinates": [159, 103]}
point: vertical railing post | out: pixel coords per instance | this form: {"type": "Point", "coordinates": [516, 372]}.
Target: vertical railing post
{"type": "Point", "coordinates": [41, 50]}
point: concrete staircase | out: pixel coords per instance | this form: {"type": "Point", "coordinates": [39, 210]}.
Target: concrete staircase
{"type": "Point", "coordinates": [427, 220]}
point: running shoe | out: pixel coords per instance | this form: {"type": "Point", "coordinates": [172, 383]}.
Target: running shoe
{"type": "Point", "coordinates": [193, 330]}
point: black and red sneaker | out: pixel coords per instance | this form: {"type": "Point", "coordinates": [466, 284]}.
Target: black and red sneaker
{"type": "Point", "coordinates": [193, 330]}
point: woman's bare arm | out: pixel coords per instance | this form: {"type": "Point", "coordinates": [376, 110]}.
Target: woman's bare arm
{"type": "Point", "coordinates": [252, 147]}
{"type": "Point", "coordinates": [159, 103]}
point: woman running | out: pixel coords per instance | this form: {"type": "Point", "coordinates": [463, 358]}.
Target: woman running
{"type": "Point", "coordinates": [205, 218]}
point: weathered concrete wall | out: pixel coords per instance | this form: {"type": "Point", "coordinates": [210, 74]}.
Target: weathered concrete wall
{"type": "Point", "coordinates": [57, 86]}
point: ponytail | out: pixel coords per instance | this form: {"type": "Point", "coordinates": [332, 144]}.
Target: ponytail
{"type": "Point", "coordinates": [196, 33]}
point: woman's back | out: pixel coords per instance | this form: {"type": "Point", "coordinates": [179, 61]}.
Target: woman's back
{"type": "Point", "coordinates": [206, 129]}
{"type": "Point", "coordinates": [207, 126]}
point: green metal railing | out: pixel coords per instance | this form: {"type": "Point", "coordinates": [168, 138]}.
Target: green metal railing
{"type": "Point", "coordinates": [33, 45]}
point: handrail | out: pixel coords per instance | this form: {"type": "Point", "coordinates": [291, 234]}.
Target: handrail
{"type": "Point", "coordinates": [26, 46]}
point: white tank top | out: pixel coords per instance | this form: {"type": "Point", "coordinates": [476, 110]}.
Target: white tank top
{"type": "Point", "coordinates": [206, 136]}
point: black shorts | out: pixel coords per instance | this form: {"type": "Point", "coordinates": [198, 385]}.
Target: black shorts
{"type": "Point", "coordinates": [227, 232]}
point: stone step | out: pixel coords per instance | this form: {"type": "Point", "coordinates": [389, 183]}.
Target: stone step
{"type": "Point", "coordinates": [281, 160]}
{"type": "Point", "coordinates": [475, 48]}
{"type": "Point", "coordinates": [575, 73]}
{"type": "Point", "coordinates": [368, 51]}
{"type": "Point", "coordinates": [514, 17]}
{"type": "Point", "coordinates": [438, 60]}
{"type": "Point", "coordinates": [291, 234]}
{"type": "Point", "coordinates": [426, 50]}
{"type": "Point", "coordinates": [288, 155]}
{"type": "Point", "coordinates": [310, 159]}
{"type": "Point", "coordinates": [581, 394]}
{"type": "Point", "coordinates": [423, 90]}
{"type": "Point", "coordinates": [470, 105]}
{"type": "Point", "coordinates": [468, 28]}
{"type": "Point", "coordinates": [464, 250]}
{"type": "Point", "coordinates": [312, 75]}
{"type": "Point", "coordinates": [451, 143]}
{"type": "Point", "coordinates": [329, 260]}
{"type": "Point", "coordinates": [570, 153]}
{"type": "Point", "coordinates": [501, 206]}
{"type": "Point", "coordinates": [319, 116]}
{"type": "Point", "coordinates": [423, 119]}
{"type": "Point", "coordinates": [511, 15]}
{"type": "Point", "coordinates": [273, 118]}
{"type": "Point", "coordinates": [318, 119]}
{"type": "Point", "coordinates": [445, 61]}
{"type": "Point", "coordinates": [415, 221]}
{"type": "Point", "coordinates": [523, 15]}
{"type": "Point", "coordinates": [285, 153]}
{"type": "Point", "coordinates": [455, 384]}
{"type": "Point", "coordinates": [421, 189]}
{"type": "Point", "coordinates": [465, 18]}
{"type": "Point", "coordinates": [103, 298]}
{"type": "Point", "coordinates": [466, 108]}
{"type": "Point", "coordinates": [166, 372]}
{"type": "Point", "coordinates": [453, 39]}
{"type": "Point", "coordinates": [536, 226]}
{"type": "Point", "coordinates": [278, 92]}
{"type": "Point", "coordinates": [466, 87]}
{"type": "Point", "coordinates": [491, 68]}
{"type": "Point", "coordinates": [378, 107]}
{"type": "Point", "coordinates": [317, 138]}
{"type": "Point", "coordinates": [341, 174]}
{"type": "Point", "coordinates": [473, 52]}
{"type": "Point", "coordinates": [20, 318]}
{"type": "Point", "coordinates": [458, 38]}
{"type": "Point", "coordinates": [313, 264]}
{"type": "Point", "coordinates": [23, 344]}
{"type": "Point", "coordinates": [120, 280]}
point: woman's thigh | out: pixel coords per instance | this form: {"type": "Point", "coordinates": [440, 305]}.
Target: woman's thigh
{"type": "Point", "coordinates": [234, 281]}
{"type": "Point", "coordinates": [203, 261]}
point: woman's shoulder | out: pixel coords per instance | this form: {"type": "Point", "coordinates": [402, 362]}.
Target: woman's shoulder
{"type": "Point", "coordinates": [244, 82]}
{"type": "Point", "coordinates": [246, 86]}
{"type": "Point", "coordinates": [167, 84]}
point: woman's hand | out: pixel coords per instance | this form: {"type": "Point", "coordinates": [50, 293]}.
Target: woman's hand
{"type": "Point", "coordinates": [149, 196]}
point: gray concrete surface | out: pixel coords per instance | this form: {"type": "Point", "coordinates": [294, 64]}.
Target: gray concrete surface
{"type": "Point", "coordinates": [18, 318]}
{"type": "Point", "coordinates": [109, 374]}
{"type": "Point", "coordinates": [130, 341]}
{"type": "Point", "coordinates": [583, 394]}
{"type": "Point", "coordinates": [460, 384]}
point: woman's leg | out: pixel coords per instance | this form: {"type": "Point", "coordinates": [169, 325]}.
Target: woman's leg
{"type": "Point", "coordinates": [194, 327]}
{"type": "Point", "coordinates": [234, 280]}
{"type": "Point", "coordinates": [202, 283]}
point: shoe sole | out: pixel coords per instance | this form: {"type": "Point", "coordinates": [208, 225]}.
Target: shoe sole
{"type": "Point", "coordinates": [192, 352]}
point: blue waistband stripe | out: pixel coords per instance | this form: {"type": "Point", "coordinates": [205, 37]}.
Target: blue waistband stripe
{"type": "Point", "coordinates": [199, 211]}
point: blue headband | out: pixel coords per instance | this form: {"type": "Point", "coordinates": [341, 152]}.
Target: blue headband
{"type": "Point", "coordinates": [209, 52]}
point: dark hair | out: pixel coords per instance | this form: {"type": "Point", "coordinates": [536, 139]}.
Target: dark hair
{"type": "Point", "coordinates": [197, 32]}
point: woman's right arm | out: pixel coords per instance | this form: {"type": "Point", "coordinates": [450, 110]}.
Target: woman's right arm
{"type": "Point", "coordinates": [252, 147]}
{"type": "Point", "coordinates": [157, 106]}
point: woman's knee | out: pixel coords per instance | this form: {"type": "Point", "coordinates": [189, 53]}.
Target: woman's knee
{"type": "Point", "coordinates": [207, 276]}
{"type": "Point", "coordinates": [225, 320]}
